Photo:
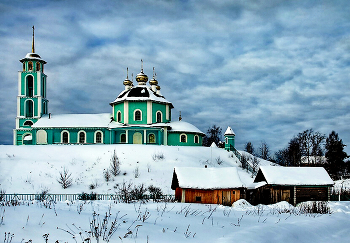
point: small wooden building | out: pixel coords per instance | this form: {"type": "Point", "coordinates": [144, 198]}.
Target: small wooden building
{"type": "Point", "coordinates": [207, 185]}
{"type": "Point", "coordinates": [273, 184]}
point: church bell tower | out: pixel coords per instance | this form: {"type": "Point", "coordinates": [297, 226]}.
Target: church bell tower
{"type": "Point", "coordinates": [32, 103]}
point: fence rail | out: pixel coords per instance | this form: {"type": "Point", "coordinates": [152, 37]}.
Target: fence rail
{"type": "Point", "coordinates": [83, 196]}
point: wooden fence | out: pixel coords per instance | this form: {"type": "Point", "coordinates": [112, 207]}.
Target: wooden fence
{"type": "Point", "coordinates": [73, 197]}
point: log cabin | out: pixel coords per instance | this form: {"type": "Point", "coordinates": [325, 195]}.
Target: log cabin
{"type": "Point", "coordinates": [207, 185]}
{"type": "Point", "coordinates": [273, 184]}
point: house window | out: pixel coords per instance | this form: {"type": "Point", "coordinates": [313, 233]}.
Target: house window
{"type": "Point", "coordinates": [119, 116]}
{"type": "Point", "coordinates": [38, 66]}
{"type": "Point", "coordinates": [28, 123]}
{"type": "Point", "coordinates": [151, 138]}
{"type": "Point", "coordinates": [30, 66]}
{"type": "Point", "coordinates": [65, 137]}
{"type": "Point", "coordinates": [137, 115]}
{"type": "Point", "coordinates": [196, 139]}
{"type": "Point", "coordinates": [98, 137]}
{"type": "Point", "coordinates": [81, 137]}
{"type": "Point", "coordinates": [198, 199]}
{"type": "Point", "coordinates": [123, 138]}
{"type": "Point", "coordinates": [183, 138]}
{"type": "Point", "coordinates": [29, 108]}
{"type": "Point", "coordinates": [30, 86]}
{"type": "Point", "coordinates": [159, 116]}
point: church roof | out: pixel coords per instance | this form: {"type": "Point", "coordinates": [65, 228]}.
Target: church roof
{"type": "Point", "coordinates": [32, 56]}
{"type": "Point", "coordinates": [229, 131]}
{"type": "Point", "coordinates": [140, 93]}
{"type": "Point", "coordinates": [182, 126]}
{"type": "Point", "coordinates": [74, 120]}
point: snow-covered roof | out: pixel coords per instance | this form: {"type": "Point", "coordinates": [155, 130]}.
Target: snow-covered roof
{"type": "Point", "coordinates": [74, 120]}
{"type": "Point", "coordinates": [140, 93]}
{"type": "Point", "coordinates": [208, 178]}
{"type": "Point", "coordinates": [229, 131]}
{"type": "Point", "coordinates": [278, 175]}
{"type": "Point", "coordinates": [182, 126]}
{"type": "Point", "coordinates": [32, 56]}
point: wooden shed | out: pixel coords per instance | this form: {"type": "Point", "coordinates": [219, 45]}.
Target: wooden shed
{"type": "Point", "coordinates": [207, 185]}
{"type": "Point", "coordinates": [273, 184]}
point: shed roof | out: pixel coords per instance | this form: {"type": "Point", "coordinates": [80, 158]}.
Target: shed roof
{"type": "Point", "coordinates": [206, 178]}
{"type": "Point", "coordinates": [278, 175]}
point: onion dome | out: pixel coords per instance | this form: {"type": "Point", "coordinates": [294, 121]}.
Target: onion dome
{"type": "Point", "coordinates": [141, 78]}
{"type": "Point", "coordinates": [127, 82]}
{"type": "Point", "coordinates": [153, 81]}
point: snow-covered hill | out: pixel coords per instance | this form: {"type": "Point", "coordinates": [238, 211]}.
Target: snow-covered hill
{"type": "Point", "coordinates": [33, 169]}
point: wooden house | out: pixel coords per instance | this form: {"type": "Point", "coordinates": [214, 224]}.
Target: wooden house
{"type": "Point", "coordinates": [273, 184]}
{"type": "Point", "coordinates": [207, 185]}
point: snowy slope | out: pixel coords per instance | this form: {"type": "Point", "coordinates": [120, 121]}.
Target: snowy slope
{"type": "Point", "coordinates": [32, 169]}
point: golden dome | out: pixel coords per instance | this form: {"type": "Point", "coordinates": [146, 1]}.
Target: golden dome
{"type": "Point", "coordinates": [127, 82]}
{"type": "Point", "coordinates": [153, 81]}
{"type": "Point", "coordinates": [141, 78]}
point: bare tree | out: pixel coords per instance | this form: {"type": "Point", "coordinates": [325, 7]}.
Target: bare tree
{"type": "Point", "coordinates": [115, 164]}
{"type": "Point", "coordinates": [65, 178]}
{"type": "Point", "coordinates": [249, 148]}
{"type": "Point", "coordinates": [264, 151]}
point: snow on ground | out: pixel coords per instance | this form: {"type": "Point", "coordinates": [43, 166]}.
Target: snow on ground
{"type": "Point", "coordinates": [32, 169]}
{"type": "Point", "coordinates": [172, 222]}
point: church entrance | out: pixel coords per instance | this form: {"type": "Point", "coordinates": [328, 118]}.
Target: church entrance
{"type": "Point", "coordinates": [137, 138]}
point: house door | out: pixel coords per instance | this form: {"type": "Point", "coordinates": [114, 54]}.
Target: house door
{"type": "Point", "coordinates": [226, 198]}
{"type": "Point", "coordinates": [137, 138]}
{"type": "Point", "coordinates": [285, 195]}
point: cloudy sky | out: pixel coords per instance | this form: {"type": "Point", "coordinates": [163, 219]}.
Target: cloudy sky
{"type": "Point", "coordinates": [269, 69]}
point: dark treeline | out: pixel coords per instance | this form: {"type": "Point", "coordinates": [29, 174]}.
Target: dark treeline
{"type": "Point", "coordinates": [309, 148]}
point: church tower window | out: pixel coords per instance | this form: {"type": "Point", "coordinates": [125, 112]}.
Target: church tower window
{"type": "Point", "coordinates": [159, 116]}
{"type": "Point", "coordinates": [30, 86]}
{"type": "Point", "coordinates": [29, 108]}
{"type": "Point", "coordinates": [28, 123]}
{"type": "Point", "coordinates": [137, 115]}
{"type": "Point", "coordinates": [38, 66]}
{"type": "Point", "coordinates": [119, 116]}
{"type": "Point", "coordinates": [30, 66]}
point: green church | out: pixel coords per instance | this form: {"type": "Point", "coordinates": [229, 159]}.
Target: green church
{"type": "Point", "coordinates": [140, 115]}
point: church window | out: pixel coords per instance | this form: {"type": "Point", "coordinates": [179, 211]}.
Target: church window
{"type": "Point", "coordinates": [65, 137]}
{"type": "Point", "coordinates": [41, 137]}
{"type": "Point", "coordinates": [137, 115]}
{"type": "Point", "coordinates": [98, 137]}
{"type": "Point", "coordinates": [159, 116]}
{"type": "Point", "coordinates": [119, 116]}
{"type": "Point", "coordinates": [123, 138]}
{"type": "Point", "coordinates": [30, 86]}
{"type": "Point", "coordinates": [196, 139]}
{"type": "Point", "coordinates": [29, 108]}
{"type": "Point", "coordinates": [38, 66]}
{"type": "Point", "coordinates": [82, 137]}
{"type": "Point", "coordinates": [28, 123]}
{"type": "Point", "coordinates": [151, 138]}
{"type": "Point", "coordinates": [30, 66]}
{"type": "Point", "coordinates": [183, 138]}
{"type": "Point", "coordinates": [45, 108]}
{"type": "Point", "coordinates": [24, 66]}
{"type": "Point", "coordinates": [226, 140]}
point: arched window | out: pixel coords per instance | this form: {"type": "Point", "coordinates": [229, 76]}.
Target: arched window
{"type": "Point", "coordinates": [183, 138]}
{"type": "Point", "coordinates": [151, 138]}
{"type": "Point", "coordinates": [38, 66]}
{"type": "Point", "coordinates": [29, 108]}
{"type": "Point", "coordinates": [159, 116]}
{"type": "Point", "coordinates": [27, 139]}
{"type": "Point", "coordinates": [119, 116]}
{"type": "Point", "coordinates": [196, 139]}
{"type": "Point", "coordinates": [98, 137]}
{"type": "Point", "coordinates": [64, 137]}
{"type": "Point", "coordinates": [28, 123]}
{"type": "Point", "coordinates": [81, 137]}
{"type": "Point", "coordinates": [137, 115]}
{"type": "Point", "coordinates": [123, 138]}
{"type": "Point", "coordinates": [24, 66]}
{"type": "Point", "coordinates": [30, 86]}
{"type": "Point", "coordinates": [45, 108]}
{"type": "Point", "coordinates": [30, 66]}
